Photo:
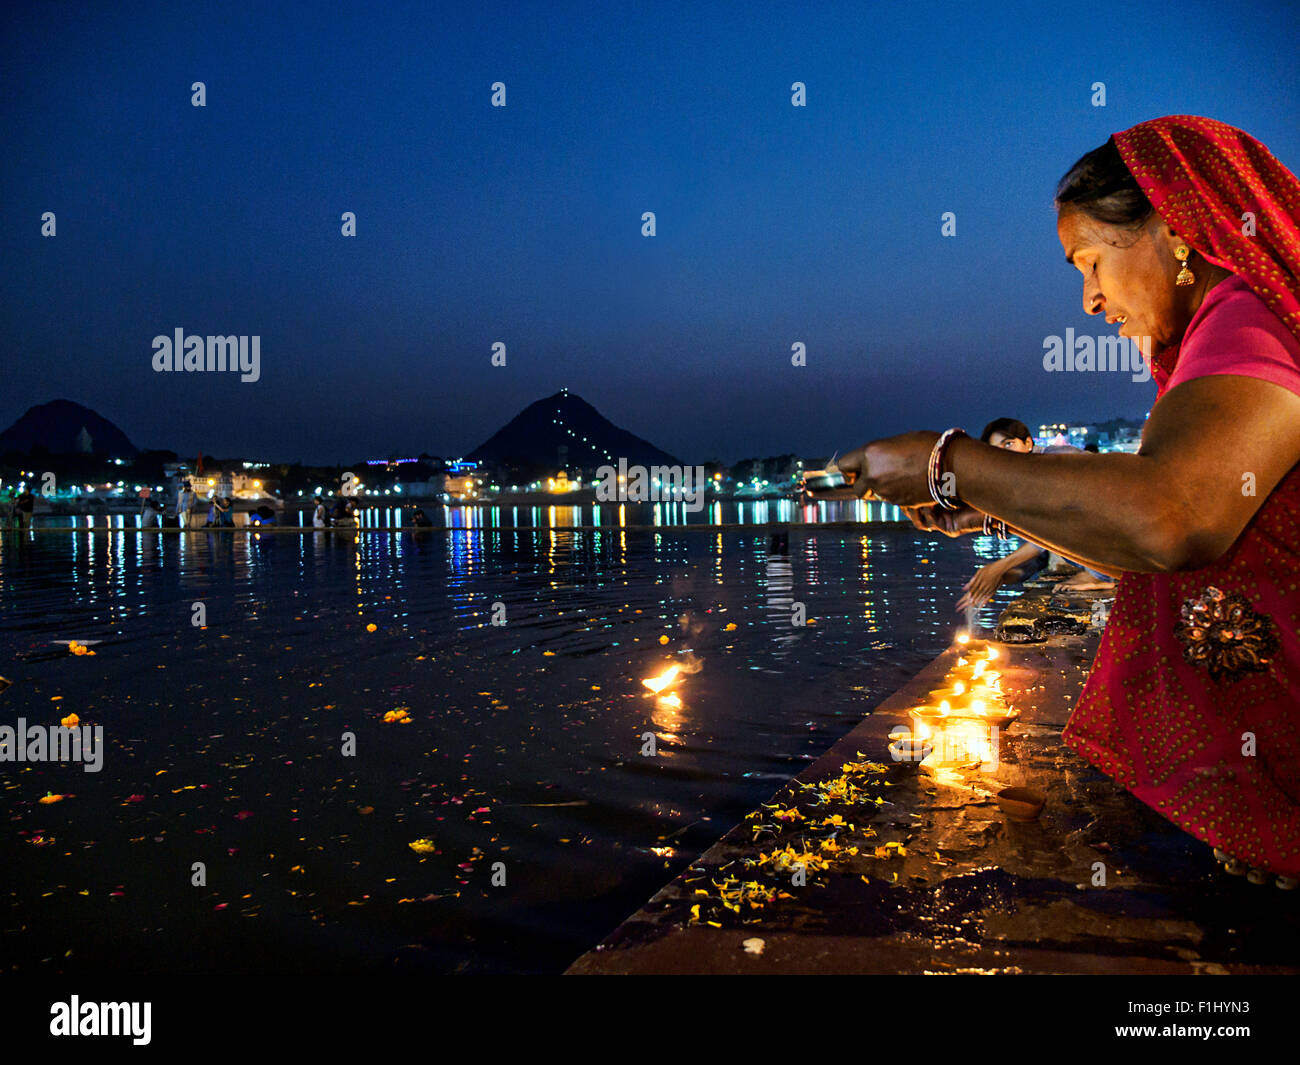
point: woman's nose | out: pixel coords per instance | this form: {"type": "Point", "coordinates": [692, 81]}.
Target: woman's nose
{"type": "Point", "coordinates": [1092, 300]}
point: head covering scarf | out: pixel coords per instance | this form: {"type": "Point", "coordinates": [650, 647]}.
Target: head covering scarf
{"type": "Point", "coordinates": [1228, 198]}
{"type": "Point", "coordinates": [1193, 701]}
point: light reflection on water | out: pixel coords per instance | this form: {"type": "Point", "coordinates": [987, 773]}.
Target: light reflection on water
{"type": "Point", "coordinates": [540, 720]}
{"type": "Point", "coordinates": [372, 515]}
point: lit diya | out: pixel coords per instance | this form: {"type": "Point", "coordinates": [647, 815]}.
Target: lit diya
{"type": "Point", "coordinates": [927, 720]}
{"type": "Point", "coordinates": [665, 679]}
{"type": "Point", "coordinates": [969, 646]}
{"type": "Point", "coordinates": [997, 714]}
{"type": "Point", "coordinates": [831, 477]}
{"type": "Point", "coordinates": [909, 748]}
{"type": "Point", "coordinates": [955, 690]}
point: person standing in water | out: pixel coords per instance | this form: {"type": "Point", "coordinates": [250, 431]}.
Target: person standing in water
{"type": "Point", "coordinates": [24, 505]}
{"type": "Point", "coordinates": [184, 503]}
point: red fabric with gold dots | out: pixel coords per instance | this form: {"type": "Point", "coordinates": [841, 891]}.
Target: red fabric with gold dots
{"type": "Point", "coordinates": [1217, 755]}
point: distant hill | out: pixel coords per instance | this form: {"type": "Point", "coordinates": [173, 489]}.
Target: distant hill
{"type": "Point", "coordinates": [565, 431]}
{"type": "Point", "coordinates": [62, 427]}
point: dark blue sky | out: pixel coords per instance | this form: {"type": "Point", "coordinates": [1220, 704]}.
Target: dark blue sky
{"type": "Point", "coordinates": [775, 224]}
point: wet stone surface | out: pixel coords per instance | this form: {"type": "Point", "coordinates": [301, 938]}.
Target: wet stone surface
{"type": "Point", "coordinates": [1098, 883]}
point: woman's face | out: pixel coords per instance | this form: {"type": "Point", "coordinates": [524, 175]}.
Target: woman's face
{"type": "Point", "coordinates": [1129, 276]}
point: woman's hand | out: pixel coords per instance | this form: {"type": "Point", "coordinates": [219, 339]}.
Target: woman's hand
{"type": "Point", "coordinates": [980, 588]}
{"type": "Point", "coordinates": [894, 469]}
{"type": "Point", "coordinates": [954, 523]}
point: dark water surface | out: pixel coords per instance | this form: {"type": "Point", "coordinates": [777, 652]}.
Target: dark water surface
{"type": "Point", "coordinates": [224, 744]}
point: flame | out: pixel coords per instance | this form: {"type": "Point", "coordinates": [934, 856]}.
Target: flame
{"type": "Point", "coordinates": [659, 683]}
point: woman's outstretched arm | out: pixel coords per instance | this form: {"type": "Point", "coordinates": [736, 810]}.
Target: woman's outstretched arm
{"type": "Point", "coordinates": [1212, 450]}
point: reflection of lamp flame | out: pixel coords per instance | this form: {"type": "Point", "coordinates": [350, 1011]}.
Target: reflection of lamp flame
{"type": "Point", "coordinates": [667, 720]}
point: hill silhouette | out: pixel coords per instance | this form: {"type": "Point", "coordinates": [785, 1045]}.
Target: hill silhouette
{"type": "Point", "coordinates": [62, 427]}
{"type": "Point", "coordinates": [535, 437]}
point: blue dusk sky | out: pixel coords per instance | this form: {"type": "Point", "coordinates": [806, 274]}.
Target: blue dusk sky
{"type": "Point", "coordinates": [522, 225]}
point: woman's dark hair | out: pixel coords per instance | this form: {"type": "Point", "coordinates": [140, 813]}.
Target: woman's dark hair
{"type": "Point", "coordinates": [1008, 427]}
{"type": "Point", "coordinates": [1104, 189]}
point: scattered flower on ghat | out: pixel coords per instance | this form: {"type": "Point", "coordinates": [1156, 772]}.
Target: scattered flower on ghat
{"type": "Point", "coordinates": [398, 716]}
{"type": "Point", "coordinates": [826, 840]}
{"type": "Point", "coordinates": [71, 721]}
{"type": "Point", "coordinates": [79, 648]}
{"type": "Point", "coordinates": [422, 846]}
{"type": "Point", "coordinates": [51, 797]}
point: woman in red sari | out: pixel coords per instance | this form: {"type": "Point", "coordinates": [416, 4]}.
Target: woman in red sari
{"type": "Point", "coordinates": [1187, 232]}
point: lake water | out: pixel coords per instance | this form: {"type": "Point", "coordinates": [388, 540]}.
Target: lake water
{"type": "Point", "coordinates": [225, 743]}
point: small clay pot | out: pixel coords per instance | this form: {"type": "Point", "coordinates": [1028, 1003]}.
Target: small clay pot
{"type": "Point", "coordinates": [911, 751]}
{"type": "Point", "coordinates": [1021, 804]}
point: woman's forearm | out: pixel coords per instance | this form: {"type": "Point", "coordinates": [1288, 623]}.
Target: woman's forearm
{"type": "Point", "coordinates": [1099, 509]}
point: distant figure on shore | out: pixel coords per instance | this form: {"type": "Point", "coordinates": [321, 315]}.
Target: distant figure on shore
{"type": "Point", "coordinates": [1014, 435]}
{"type": "Point", "coordinates": [24, 505]}
{"type": "Point", "coordinates": [320, 517]}
{"type": "Point", "coordinates": [151, 513]}
{"type": "Point", "coordinates": [184, 504]}
{"type": "Point", "coordinates": [420, 519]}
{"type": "Point", "coordinates": [345, 514]}
{"type": "Point", "coordinates": [222, 506]}
{"type": "Point", "coordinates": [1202, 525]}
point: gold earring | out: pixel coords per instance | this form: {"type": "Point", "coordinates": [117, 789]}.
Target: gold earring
{"type": "Point", "coordinates": [1185, 276]}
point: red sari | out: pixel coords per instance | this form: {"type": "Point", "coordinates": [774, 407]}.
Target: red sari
{"type": "Point", "coordinates": [1193, 702]}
